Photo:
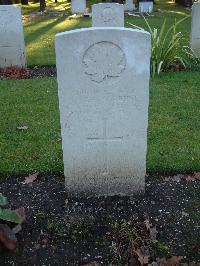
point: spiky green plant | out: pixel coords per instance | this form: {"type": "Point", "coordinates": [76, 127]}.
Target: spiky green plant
{"type": "Point", "coordinates": [167, 47]}
{"type": "Point", "coordinates": [8, 215]}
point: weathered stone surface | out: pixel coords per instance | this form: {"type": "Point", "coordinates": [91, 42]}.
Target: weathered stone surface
{"type": "Point", "coordinates": [129, 6]}
{"type": "Point", "coordinates": [103, 82]}
{"type": "Point", "coordinates": [78, 6]}
{"type": "Point", "coordinates": [146, 7]}
{"type": "Point", "coordinates": [195, 32]}
{"type": "Point", "coordinates": [108, 15]}
{"type": "Point", "coordinates": [12, 49]}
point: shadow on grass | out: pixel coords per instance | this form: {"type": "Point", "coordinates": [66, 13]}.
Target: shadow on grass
{"type": "Point", "coordinates": [39, 32]}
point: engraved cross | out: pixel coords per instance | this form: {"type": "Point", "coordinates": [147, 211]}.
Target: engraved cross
{"type": "Point", "coordinates": [105, 140]}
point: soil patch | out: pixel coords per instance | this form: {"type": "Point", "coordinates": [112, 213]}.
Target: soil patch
{"type": "Point", "coordinates": [43, 72]}
{"type": "Point", "coordinates": [60, 230]}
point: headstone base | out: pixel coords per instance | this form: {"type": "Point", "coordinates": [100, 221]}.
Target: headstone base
{"type": "Point", "coordinates": [195, 46]}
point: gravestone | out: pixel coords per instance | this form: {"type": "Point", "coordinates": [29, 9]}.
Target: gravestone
{"type": "Point", "coordinates": [12, 48]}
{"type": "Point", "coordinates": [103, 84]}
{"type": "Point", "coordinates": [145, 6]}
{"type": "Point", "coordinates": [129, 6]}
{"type": "Point", "coordinates": [78, 6]}
{"type": "Point", "coordinates": [108, 15]}
{"type": "Point", "coordinates": [195, 32]}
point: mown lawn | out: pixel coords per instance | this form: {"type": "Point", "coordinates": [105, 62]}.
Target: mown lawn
{"type": "Point", "coordinates": [173, 138]}
{"type": "Point", "coordinates": [40, 29]}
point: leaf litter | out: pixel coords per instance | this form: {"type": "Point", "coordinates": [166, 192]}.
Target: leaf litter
{"type": "Point", "coordinates": [159, 228]}
{"type": "Point", "coordinates": [181, 177]}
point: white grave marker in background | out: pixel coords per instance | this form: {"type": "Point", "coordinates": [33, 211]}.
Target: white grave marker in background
{"type": "Point", "coordinates": [195, 32]}
{"type": "Point", "coordinates": [78, 6]}
{"type": "Point", "coordinates": [129, 6]}
{"type": "Point", "coordinates": [12, 48]}
{"type": "Point", "coordinates": [103, 83]}
{"type": "Point", "coordinates": [146, 7]}
{"type": "Point", "coordinates": [107, 15]}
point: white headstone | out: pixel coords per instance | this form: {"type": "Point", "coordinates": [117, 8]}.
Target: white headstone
{"type": "Point", "coordinates": [12, 48]}
{"type": "Point", "coordinates": [107, 15]}
{"type": "Point", "coordinates": [146, 7]}
{"type": "Point", "coordinates": [195, 32]}
{"type": "Point", "coordinates": [78, 6]}
{"type": "Point", "coordinates": [129, 6]}
{"type": "Point", "coordinates": [103, 83]}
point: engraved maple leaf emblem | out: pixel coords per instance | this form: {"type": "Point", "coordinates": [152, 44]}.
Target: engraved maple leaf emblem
{"type": "Point", "coordinates": [104, 60]}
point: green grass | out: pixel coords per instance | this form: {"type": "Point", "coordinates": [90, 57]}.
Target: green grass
{"type": "Point", "coordinates": [40, 31]}
{"type": "Point", "coordinates": [32, 103]}
{"type": "Point", "coordinates": [173, 138]}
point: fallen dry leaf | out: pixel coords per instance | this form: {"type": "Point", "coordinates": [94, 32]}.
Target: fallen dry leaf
{"type": "Point", "coordinates": [153, 232]}
{"type": "Point", "coordinates": [184, 214]}
{"type": "Point", "coordinates": [17, 229]}
{"type": "Point", "coordinates": [143, 259]}
{"type": "Point", "coordinates": [147, 224]}
{"type": "Point", "coordinates": [171, 261]}
{"type": "Point", "coordinates": [196, 175]}
{"type": "Point", "coordinates": [29, 179]}
{"type": "Point", "coordinates": [7, 237]}
{"type": "Point", "coordinates": [14, 72]}
{"type": "Point", "coordinates": [177, 178]}
{"type": "Point", "coordinates": [94, 263]}
{"type": "Point", "coordinates": [189, 178]}
{"type": "Point", "coordinates": [21, 212]}
{"type": "Point", "coordinates": [22, 127]}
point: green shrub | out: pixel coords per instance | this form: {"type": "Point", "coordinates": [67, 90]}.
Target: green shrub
{"type": "Point", "coordinates": [167, 51]}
